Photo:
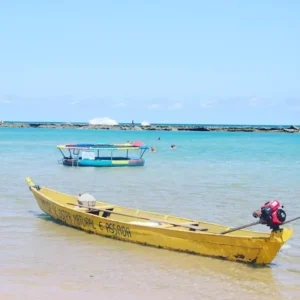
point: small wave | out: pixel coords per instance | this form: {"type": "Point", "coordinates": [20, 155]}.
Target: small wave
{"type": "Point", "coordinates": [145, 123]}
{"type": "Point", "coordinates": [103, 121]}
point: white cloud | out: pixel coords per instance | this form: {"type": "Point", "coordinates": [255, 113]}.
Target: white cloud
{"type": "Point", "coordinates": [103, 121]}
{"type": "Point", "coordinates": [120, 104]}
{"type": "Point", "coordinates": [257, 102]}
{"type": "Point", "coordinates": [5, 101]}
{"type": "Point", "coordinates": [292, 104]}
{"type": "Point", "coordinates": [176, 106]}
{"type": "Point", "coordinates": [155, 106]}
{"type": "Point", "coordinates": [74, 102]}
{"type": "Point", "coordinates": [206, 105]}
{"type": "Point", "coordinates": [254, 102]}
{"type": "Point", "coordinates": [294, 107]}
{"type": "Point", "coordinates": [210, 104]}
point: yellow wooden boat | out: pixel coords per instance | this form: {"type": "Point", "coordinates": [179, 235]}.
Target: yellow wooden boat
{"type": "Point", "coordinates": [161, 231]}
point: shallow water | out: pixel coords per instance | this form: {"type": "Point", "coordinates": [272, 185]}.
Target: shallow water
{"type": "Point", "coordinates": [219, 177]}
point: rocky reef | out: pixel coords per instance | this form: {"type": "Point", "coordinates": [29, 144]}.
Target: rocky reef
{"type": "Point", "coordinates": [291, 129]}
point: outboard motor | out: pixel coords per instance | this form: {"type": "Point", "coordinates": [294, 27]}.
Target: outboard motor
{"type": "Point", "coordinates": [271, 214]}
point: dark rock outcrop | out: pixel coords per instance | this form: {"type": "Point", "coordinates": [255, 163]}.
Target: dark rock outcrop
{"type": "Point", "coordinates": [291, 129]}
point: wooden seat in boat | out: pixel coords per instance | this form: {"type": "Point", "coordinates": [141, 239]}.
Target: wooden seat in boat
{"type": "Point", "coordinates": [96, 210]}
{"type": "Point", "coordinates": [106, 207]}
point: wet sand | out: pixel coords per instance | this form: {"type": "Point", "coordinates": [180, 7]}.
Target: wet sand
{"type": "Point", "coordinates": [59, 262]}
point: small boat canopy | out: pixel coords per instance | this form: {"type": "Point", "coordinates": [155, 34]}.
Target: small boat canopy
{"type": "Point", "coordinates": [127, 146]}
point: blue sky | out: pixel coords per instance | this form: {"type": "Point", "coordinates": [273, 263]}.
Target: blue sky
{"type": "Point", "coordinates": [224, 62]}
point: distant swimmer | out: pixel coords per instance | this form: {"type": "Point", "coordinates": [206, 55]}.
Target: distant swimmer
{"type": "Point", "coordinates": [158, 139]}
{"type": "Point", "coordinates": [153, 149]}
{"type": "Point", "coordinates": [173, 147]}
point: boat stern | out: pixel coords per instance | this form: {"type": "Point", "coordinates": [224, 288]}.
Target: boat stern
{"type": "Point", "coordinates": [273, 245]}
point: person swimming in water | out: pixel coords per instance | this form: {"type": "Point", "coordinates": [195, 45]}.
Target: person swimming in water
{"type": "Point", "coordinates": [173, 147]}
{"type": "Point", "coordinates": [153, 149]}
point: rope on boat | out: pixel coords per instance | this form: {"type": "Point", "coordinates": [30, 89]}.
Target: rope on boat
{"type": "Point", "coordinates": [240, 227]}
{"type": "Point", "coordinates": [291, 220]}
{"type": "Point", "coordinates": [255, 223]}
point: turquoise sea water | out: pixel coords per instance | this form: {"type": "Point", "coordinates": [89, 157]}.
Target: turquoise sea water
{"type": "Point", "coordinates": [214, 176]}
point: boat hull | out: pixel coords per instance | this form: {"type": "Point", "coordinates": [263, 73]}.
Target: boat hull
{"type": "Point", "coordinates": [104, 162]}
{"type": "Point", "coordinates": [260, 249]}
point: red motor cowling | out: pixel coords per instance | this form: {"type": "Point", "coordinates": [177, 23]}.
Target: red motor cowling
{"type": "Point", "coordinates": [271, 214]}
